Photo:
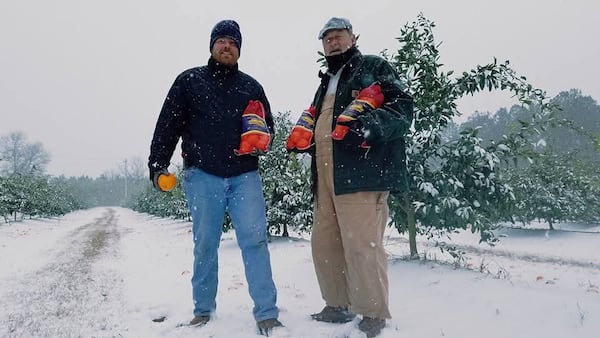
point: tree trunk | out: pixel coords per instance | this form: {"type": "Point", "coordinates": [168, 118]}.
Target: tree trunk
{"type": "Point", "coordinates": [412, 235]}
{"type": "Point", "coordinates": [285, 231]}
{"type": "Point", "coordinates": [412, 228]}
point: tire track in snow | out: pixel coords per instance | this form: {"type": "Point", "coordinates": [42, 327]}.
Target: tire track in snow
{"type": "Point", "coordinates": [63, 298]}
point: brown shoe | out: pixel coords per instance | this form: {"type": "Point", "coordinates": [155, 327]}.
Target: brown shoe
{"type": "Point", "coordinates": [371, 326]}
{"type": "Point", "coordinates": [265, 327]}
{"type": "Point", "coordinates": [331, 314]}
{"type": "Point", "coordinates": [199, 321]}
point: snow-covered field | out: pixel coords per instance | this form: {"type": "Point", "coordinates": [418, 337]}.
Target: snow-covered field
{"type": "Point", "coordinates": [111, 272]}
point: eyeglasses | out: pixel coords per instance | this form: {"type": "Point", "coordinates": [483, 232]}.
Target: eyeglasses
{"type": "Point", "coordinates": [334, 38]}
{"type": "Point", "coordinates": [225, 41]}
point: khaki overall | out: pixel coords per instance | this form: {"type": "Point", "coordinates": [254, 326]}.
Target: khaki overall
{"type": "Point", "coordinates": [349, 259]}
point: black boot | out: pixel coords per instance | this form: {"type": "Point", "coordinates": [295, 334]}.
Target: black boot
{"type": "Point", "coordinates": [266, 326]}
{"type": "Point", "coordinates": [371, 326]}
{"type": "Point", "coordinates": [332, 314]}
{"type": "Point", "coordinates": [199, 321]}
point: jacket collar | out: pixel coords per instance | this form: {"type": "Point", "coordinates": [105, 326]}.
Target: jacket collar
{"type": "Point", "coordinates": [336, 62]}
{"type": "Point", "coordinates": [220, 70]}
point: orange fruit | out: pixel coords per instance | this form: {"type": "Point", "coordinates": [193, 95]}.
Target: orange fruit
{"type": "Point", "coordinates": [302, 143]}
{"type": "Point", "coordinates": [166, 182]}
{"type": "Point", "coordinates": [251, 139]}
{"type": "Point", "coordinates": [262, 142]}
{"type": "Point", "coordinates": [339, 132]}
{"type": "Point", "coordinates": [291, 141]}
{"type": "Point", "coordinates": [245, 147]}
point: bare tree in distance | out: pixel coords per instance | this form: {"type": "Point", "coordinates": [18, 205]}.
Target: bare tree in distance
{"type": "Point", "coordinates": [136, 168]}
{"type": "Point", "coordinates": [20, 157]}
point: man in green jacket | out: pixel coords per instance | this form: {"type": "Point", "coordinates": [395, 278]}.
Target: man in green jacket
{"type": "Point", "coordinates": [352, 179]}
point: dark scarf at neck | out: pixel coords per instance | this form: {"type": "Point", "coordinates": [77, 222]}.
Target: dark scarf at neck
{"type": "Point", "coordinates": [335, 62]}
{"type": "Point", "coordinates": [220, 69]}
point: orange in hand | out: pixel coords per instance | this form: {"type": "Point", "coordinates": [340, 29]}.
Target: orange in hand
{"type": "Point", "coordinates": [166, 182]}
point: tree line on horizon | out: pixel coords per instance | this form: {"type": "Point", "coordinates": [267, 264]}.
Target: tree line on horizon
{"type": "Point", "coordinates": [533, 161]}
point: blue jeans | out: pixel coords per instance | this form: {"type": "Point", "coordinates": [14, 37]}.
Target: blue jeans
{"type": "Point", "coordinates": [208, 198]}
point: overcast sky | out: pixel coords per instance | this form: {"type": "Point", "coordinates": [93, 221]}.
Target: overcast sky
{"type": "Point", "coordinates": [88, 78]}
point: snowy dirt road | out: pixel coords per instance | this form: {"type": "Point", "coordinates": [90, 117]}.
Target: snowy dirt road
{"type": "Point", "coordinates": [112, 272]}
{"type": "Point", "coordinates": [70, 288]}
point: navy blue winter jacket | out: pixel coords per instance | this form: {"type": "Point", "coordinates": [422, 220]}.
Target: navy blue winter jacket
{"type": "Point", "coordinates": [204, 108]}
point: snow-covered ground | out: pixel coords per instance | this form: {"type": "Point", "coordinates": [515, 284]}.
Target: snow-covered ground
{"type": "Point", "coordinates": [112, 272]}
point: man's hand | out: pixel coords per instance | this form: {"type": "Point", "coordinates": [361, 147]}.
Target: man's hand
{"type": "Point", "coordinates": [163, 180]}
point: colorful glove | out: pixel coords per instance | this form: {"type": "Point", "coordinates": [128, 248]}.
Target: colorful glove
{"type": "Point", "coordinates": [302, 133]}
{"type": "Point", "coordinates": [255, 137]}
{"type": "Point", "coordinates": [368, 99]}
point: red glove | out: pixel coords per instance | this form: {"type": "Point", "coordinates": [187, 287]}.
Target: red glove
{"type": "Point", "coordinates": [302, 132]}
{"type": "Point", "coordinates": [255, 133]}
{"type": "Point", "coordinates": [368, 99]}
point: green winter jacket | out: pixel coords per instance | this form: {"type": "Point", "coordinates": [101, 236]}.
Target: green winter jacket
{"type": "Point", "coordinates": [382, 167]}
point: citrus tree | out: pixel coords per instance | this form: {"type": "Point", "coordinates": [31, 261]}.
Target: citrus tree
{"type": "Point", "coordinates": [457, 184]}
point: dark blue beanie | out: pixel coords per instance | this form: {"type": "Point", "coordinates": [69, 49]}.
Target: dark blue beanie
{"type": "Point", "coordinates": [226, 28]}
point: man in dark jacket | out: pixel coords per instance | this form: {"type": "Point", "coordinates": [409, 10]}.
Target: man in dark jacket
{"type": "Point", "coordinates": [204, 108]}
{"type": "Point", "coordinates": [353, 178]}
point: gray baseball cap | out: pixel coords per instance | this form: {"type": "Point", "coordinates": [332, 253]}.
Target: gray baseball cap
{"type": "Point", "coordinates": [335, 23]}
